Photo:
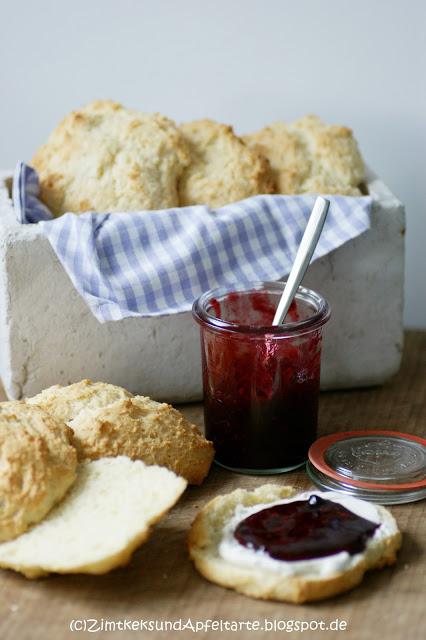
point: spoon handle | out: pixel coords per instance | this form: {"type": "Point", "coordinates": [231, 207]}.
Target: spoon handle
{"type": "Point", "coordinates": [303, 257]}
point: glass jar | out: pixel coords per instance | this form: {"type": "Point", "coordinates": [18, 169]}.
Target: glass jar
{"type": "Point", "coordinates": [261, 382]}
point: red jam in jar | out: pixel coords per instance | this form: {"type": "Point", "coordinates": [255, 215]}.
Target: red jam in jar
{"type": "Point", "coordinates": [305, 529]}
{"type": "Point", "coordinates": [261, 383]}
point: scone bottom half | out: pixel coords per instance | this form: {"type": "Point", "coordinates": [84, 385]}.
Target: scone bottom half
{"type": "Point", "coordinates": [255, 579]}
{"type": "Point", "coordinates": [108, 513]}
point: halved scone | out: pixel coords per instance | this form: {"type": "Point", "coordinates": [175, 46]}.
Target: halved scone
{"type": "Point", "coordinates": [220, 558]}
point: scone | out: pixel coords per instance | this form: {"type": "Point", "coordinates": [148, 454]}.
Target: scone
{"type": "Point", "coordinates": [308, 156]}
{"type": "Point", "coordinates": [310, 574]}
{"type": "Point", "coordinates": [287, 155]}
{"type": "Point", "coordinates": [37, 466]}
{"type": "Point", "coordinates": [143, 429]}
{"type": "Point", "coordinates": [105, 157]}
{"type": "Point", "coordinates": [65, 403]}
{"type": "Point", "coordinates": [106, 515]}
{"type": "Point", "coordinates": [223, 169]}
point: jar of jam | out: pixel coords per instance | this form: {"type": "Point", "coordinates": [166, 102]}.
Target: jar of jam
{"type": "Point", "coordinates": [261, 382]}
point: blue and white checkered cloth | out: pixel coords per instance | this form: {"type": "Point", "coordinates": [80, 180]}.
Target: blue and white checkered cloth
{"type": "Point", "coordinates": [153, 263]}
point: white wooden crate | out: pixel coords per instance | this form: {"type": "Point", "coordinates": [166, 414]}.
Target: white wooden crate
{"type": "Point", "coordinates": [49, 336]}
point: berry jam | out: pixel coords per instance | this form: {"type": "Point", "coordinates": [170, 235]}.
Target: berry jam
{"type": "Point", "coordinates": [260, 389]}
{"type": "Point", "coordinates": [305, 529]}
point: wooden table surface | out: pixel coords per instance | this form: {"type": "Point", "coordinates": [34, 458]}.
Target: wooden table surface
{"type": "Point", "coordinates": [161, 584]}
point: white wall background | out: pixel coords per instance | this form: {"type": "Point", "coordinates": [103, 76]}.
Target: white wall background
{"type": "Point", "coordinates": [244, 61]}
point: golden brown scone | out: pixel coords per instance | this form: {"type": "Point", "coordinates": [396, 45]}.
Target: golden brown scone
{"type": "Point", "coordinates": [259, 582]}
{"type": "Point", "coordinates": [223, 169]}
{"type": "Point", "coordinates": [287, 154]}
{"type": "Point", "coordinates": [308, 156]}
{"type": "Point", "coordinates": [65, 403]}
{"type": "Point", "coordinates": [143, 429]}
{"type": "Point", "coordinates": [105, 157]}
{"type": "Point", "coordinates": [37, 466]}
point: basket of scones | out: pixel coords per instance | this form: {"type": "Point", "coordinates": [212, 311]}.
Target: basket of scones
{"type": "Point", "coordinates": [127, 215]}
{"type": "Point", "coordinates": [145, 215]}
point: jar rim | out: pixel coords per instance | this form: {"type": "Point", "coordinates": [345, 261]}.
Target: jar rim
{"type": "Point", "coordinates": [314, 321]}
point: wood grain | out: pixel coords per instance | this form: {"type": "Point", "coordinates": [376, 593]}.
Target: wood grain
{"type": "Point", "coordinates": [160, 583]}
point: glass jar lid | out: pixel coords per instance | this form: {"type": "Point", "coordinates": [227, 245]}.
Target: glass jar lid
{"type": "Point", "coordinates": [387, 467]}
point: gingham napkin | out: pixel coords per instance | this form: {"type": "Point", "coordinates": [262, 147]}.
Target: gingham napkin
{"type": "Point", "coordinates": [153, 263]}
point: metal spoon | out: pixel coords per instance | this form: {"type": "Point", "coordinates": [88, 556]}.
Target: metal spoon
{"type": "Point", "coordinates": [303, 257]}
